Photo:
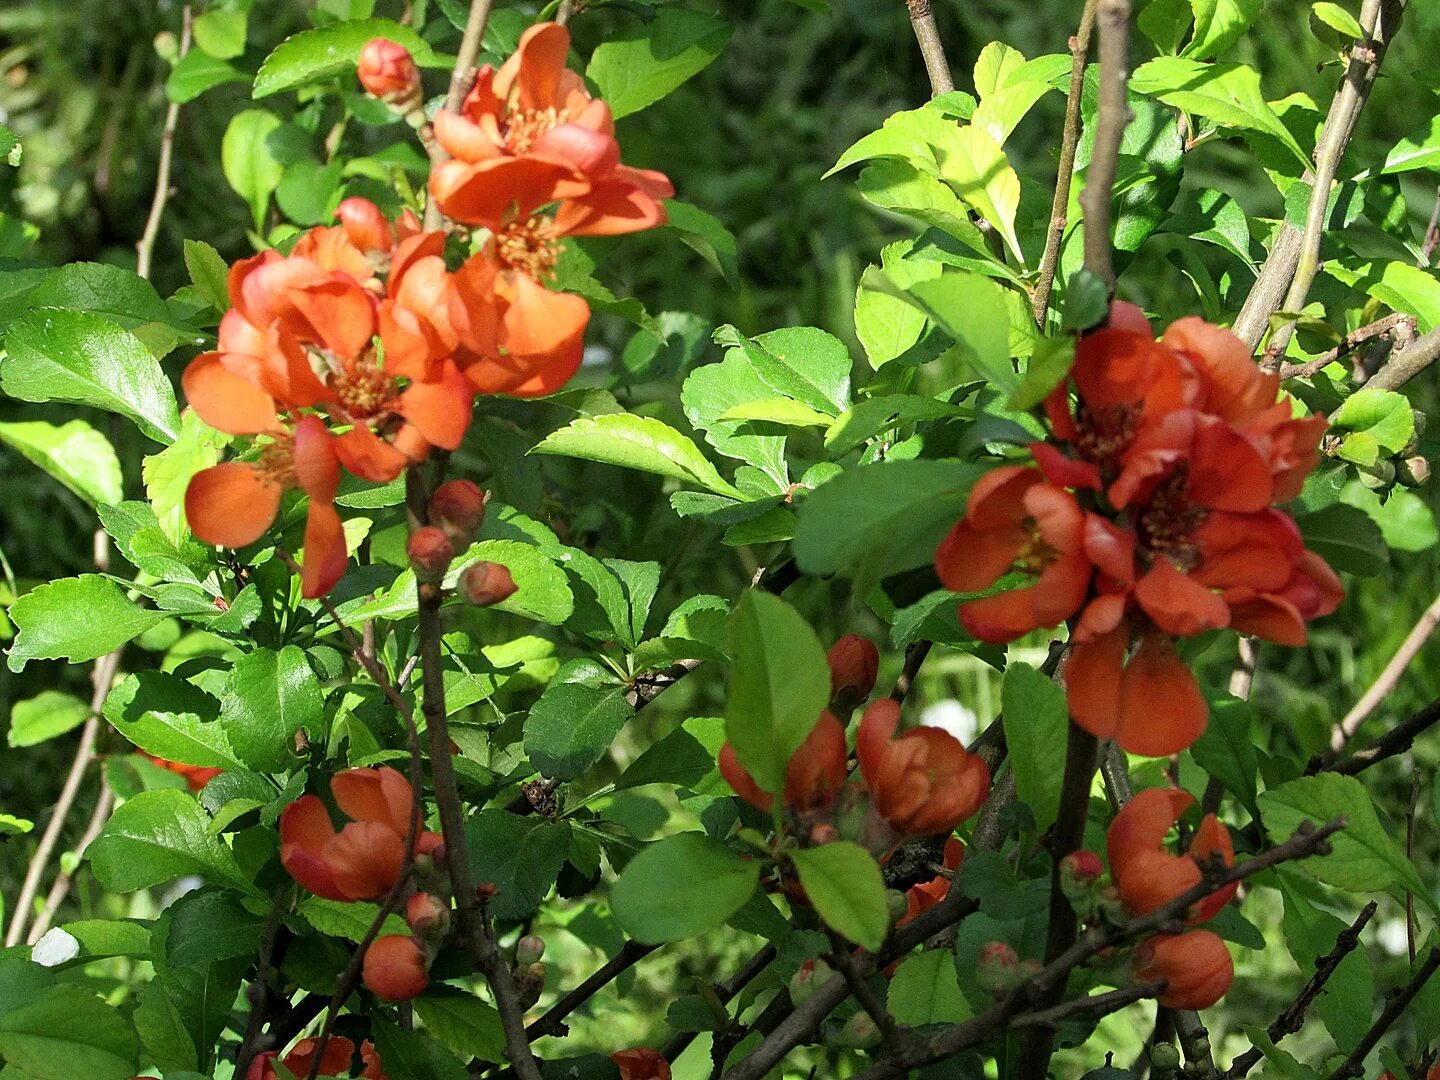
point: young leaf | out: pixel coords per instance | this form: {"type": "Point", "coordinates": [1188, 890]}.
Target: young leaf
{"type": "Point", "coordinates": [313, 56]}
{"type": "Point", "coordinates": [74, 453]}
{"type": "Point", "coordinates": [646, 60]}
{"type": "Point", "coordinates": [47, 715]}
{"type": "Point", "coordinates": [925, 990]}
{"type": "Point", "coordinates": [682, 886]}
{"type": "Point", "coordinates": [158, 836]}
{"type": "Point", "coordinates": [248, 162]}
{"type": "Point", "coordinates": [1036, 720]}
{"type": "Point", "coordinates": [637, 442]}
{"type": "Point", "coordinates": [976, 169]}
{"type": "Point", "coordinates": [843, 881]}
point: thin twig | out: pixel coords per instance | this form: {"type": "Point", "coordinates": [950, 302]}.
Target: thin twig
{"type": "Point", "coordinates": [915, 654]}
{"type": "Point", "coordinates": [890, 1031]}
{"type": "Point", "coordinates": [922, 21]}
{"type": "Point", "coordinates": [1065, 172]}
{"type": "Point", "coordinates": [1404, 364]}
{"type": "Point", "coordinates": [1410, 854]}
{"type": "Point", "coordinates": [1389, 677]}
{"type": "Point", "coordinates": [724, 993]}
{"type": "Point", "coordinates": [145, 246]}
{"type": "Point", "coordinates": [552, 1023]}
{"type": "Point", "coordinates": [1293, 1017]}
{"type": "Point", "coordinates": [1395, 741]}
{"type": "Point", "coordinates": [1432, 235]}
{"type": "Point", "coordinates": [1111, 118]}
{"type": "Point", "coordinates": [1275, 278]}
{"type": "Point", "coordinates": [1348, 344]}
{"type": "Point", "coordinates": [66, 878]}
{"type": "Point", "coordinates": [254, 1041]}
{"type": "Point", "coordinates": [1354, 1065]}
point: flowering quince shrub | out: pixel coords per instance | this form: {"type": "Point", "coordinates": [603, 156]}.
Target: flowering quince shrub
{"type": "Point", "coordinates": [476, 673]}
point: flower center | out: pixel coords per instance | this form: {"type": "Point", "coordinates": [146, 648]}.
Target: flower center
{"type": "Point", "coordinates": [1169, 520]}
{"type": "Point", "coordinates": [1104, 432]}
{"type": "Point", "coordinates": [523, 127]}
{"type": "Point", "coordinates": [277, 461]}
{"type": "Point", "coordinates": [530, 246]}
{"type": "Point", "coordinates": [1036, 553]}
{"type": "Point", "coordinates": [364, 390]}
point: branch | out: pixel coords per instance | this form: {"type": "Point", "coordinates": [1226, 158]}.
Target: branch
{"type": "Point", "coordinates": [1395, 741]}
{"type": "Point", "coordinates": [1348, 344]}
{"type": "Point", "coordinates": [1099, 1004]}
{"type": "Point", "coordinates": [66, 878]}
{"type": "Point", "coordinates": [1388, 678]}
{"type": "Point", "coordinates": [724, 992]}
{"type": "Point", "coordinates": [915, 654]}
{"type": "Point", "coordinates": [1406, 363]}
{"type": "Point", "coordinates": [1394, 1009]}
{"type": "Point", "coordinates": [145, 246]}
{"type": "Point", "coordinates": [1432, 235]}
{"type": "Point", "coordinates": [1065, 173]}
{"type": "Point", "coordinates": [1279, 273]}
{"type": "Point", "coordinates": [1111, 119]}
{"type": "Point", "coordinates": [922, 21]}
{"type": "Point", "coordinates": [552, 1023]}
{"type": "Point", "coordinates": [890, 1031]}
{"type": "Point", "coordinates": [254, 1041]}
{"type": "Point", "coordinates": [461, 79]}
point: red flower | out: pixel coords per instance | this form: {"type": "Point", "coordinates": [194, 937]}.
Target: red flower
{"type": "Point", "coordinates": [921, 782]}
{"type": "Point", "coordinates": [814, 774]}
{"type": "Point", "coordinates": [854, 662]}
{"type": "Point", "coordinates": [641, 1063]}
{"type": "Point", "coordinates": [921, 898]}
{"type": "Point", "coordinates": [1195, 965]}
{"type": "Point", "coordinates": [339, 1053]}
{"type": "Point", "coordinates": [395, 968]}
{"type": "Point", "coordinates": [387, 71]}
{"type": "Point", "coordinates": [1145, 874]}
{"type": "Point", "coordinates": [196, 776]}
{"type": "Point", "coordinates": [362, 860]}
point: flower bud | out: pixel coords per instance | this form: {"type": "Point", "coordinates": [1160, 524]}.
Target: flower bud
{"type": "Point", "coordinates": [458, 507]}
{"type": "Point", "coordinates": [997, 968]}
{"type": "Point", "coordinates": [860, 1031]}
{"type": "Point", "coordinates": [365, 226]}
{"type": "Point", "coordinates": [529, 983]}
{"type": "Point", "coordinates": [428, 916]}
{"type": "Point", "coordinates": [486, 583]}
{"type": "Point", "coordinates": [641, 1063]}
{"type": "Point", "coordinates": [1196, 967]}
{"type": "Point", "coordinates": [1079, 871]}
{"type": "Point", "coordinates": [897, 904]}
{"type": "Point", "coordinates": [430, 554]}
{"type": "Point", "coordinates": [529, 949]}
{"type": "Point", "coordinates": [387, 71]}
{"type": "Point", "coordinates": [812, 975]}
{"type": "Point", "coordinates": [1413, 471]}
{"type": "Point", "coordinates": [854, 662]}
{"type": "Point", "coordinates": [1378, 476]}
{"type": "Point", "coordinates": [822, 832]}
{"type": "Point", "coordinates": [167, 46]}
{"type": "Point", "coordinates": [486, 891]}
{"type": "Point", "coordinates": [395, 968]}
{"type": "Point", "coordinates": [1164, 1058]}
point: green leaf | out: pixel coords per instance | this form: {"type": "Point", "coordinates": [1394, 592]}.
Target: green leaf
{"type": "Point", "coordinates": [680, 887]}
{"type": "Point", "coordinates": [800, 362]}
{"type": "Point", "coordinates": [221, 32]}
{"type": "Point", "coordinates": [1364, 857]}
{"type": "Point", "coordinates": [75, 619]}
{"type": "Point", "coordinates": [73, 453]}
{"type": "Point", "coordinates": [83, 358]}
{"type": "Point", "coordinates": [971, 309]}
{"type": "Point", "coordinates": [925, 990]}
{"type": "Point", "coordinates": [248, 159]}
{"type": "Point", "coordinates": [313, 56]}
{"type": "Point", "coordinates": [1046, 369]}
{"type": "Point", "coordinates": [783, 411]}
{"type": "Point", "coordinates": [99, 939]}
{"type": "Point", "coordinates": [1397, 284]}
{"type": "Point", "coordinates": [637, 442]}
{"type": "Point", "coordinates": [1226, 94]}
{"type": "Point", "coordinates": [572, 726]}
{"type": "Point", "coordinates": [646, 60]}
{"type": "Point", "coordinates": [10, 148]}
{"type": "Point", "coordinates": [887, 325]}
{"type": "Point", "coordinates": [1218, 25]}
{"type": "Point", "coordinates": [521, 856]}
{"type": "Point", "coordinates": [976, 169]}
{"type": "Point", "coordinates": [208, 926]}
{"type": "Point", "coordinates": [197, 72]}
{"type": "Point", "coordinates": [1418, 150]}
{"type": "Point", "coordinates": [462, 1022]}
{"type": "Point", "coordinates": [779, 684]}
{"type": "Point", "coordinates": [1346, 538]}
{"type": "Point", "coordinates": [907, 136]}
{"type": "Point", "coordinates": [705, 234]}
{"type": "Point", "coordinates": [209, 273]}
{"type": "Point", "coordinates": [1225, 750]}
{"type": "Point", "coordinates": [309, 192]}
{"type": "Point", "coordinates": [45, 716]}
{"type": "Point", "coordinates": [711, 391]}
{"type": "Point", "coordinates": [268, 697]}
{"type": "Point", "coordinates": [66, 1033]}
{"type": "Point", "coordinates": [678, 759]}
{"type": "Point", "coordinates": [1383, 414]}
{"type": "Point", "coordinates": [414, 1055]}
{"type": "Point", "coordinates": [335, 918]}
{"type": "Point", "coordinates": [168, 473]}
{"type": "Point", "coordinates": [158, 836]}
{"type": "Point", "coordinates": [1036, 721]}
{"type": "Point", "coordinates": [875, 415]}
{"type": "Point", "coordinates": [1337, 18]}
{"type": "Point", "coordinates": [121, 296]}
{"type": "Point", "coordinates": [843, 881]}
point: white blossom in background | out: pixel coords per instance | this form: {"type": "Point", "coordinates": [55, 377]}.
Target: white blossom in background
{"type": "Point", "coordinates": [952, 717]}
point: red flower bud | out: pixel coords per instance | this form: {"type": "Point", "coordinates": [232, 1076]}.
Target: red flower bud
{"type": "Point", "coordinates": [854, 662]}
{"type": "Point", "coordinates": [641, 1063]}
{"type": "Point", "coordinates": [998, 967]}
{"type": "Point", "coordinates": [427, 915]}
{"type": "Point", "coordinates": [458, 507]}
{"type": "Point", "coordinates": [529, 949]}
{"type": "Point", "coordinates": [430, 553]}
{"type": "Point", "coordinates": [395, 968]}
{"type": "Point", "coordinates": [1079, 871]}
{"type": "Point", "coordinates": [365, 226]}
{"type": "Point", "coordinates": [486, 583]}
{"type": "Point", "coordinates": [387, 71]}
{"type": "Point", "coordinates": [1195, 965]}
{"type": "Point", "coordinates": [812, 975]}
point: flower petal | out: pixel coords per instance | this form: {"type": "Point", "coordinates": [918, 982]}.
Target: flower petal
{"type": "Point", "coordinates": [231, 504]}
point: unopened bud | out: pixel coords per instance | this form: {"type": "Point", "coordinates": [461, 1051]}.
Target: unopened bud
{"type": "Point", "coordinates": [529, 949]}
{"type": "Point", "coordinates": [430, 554]}
{"type": "Point", "coordinates": [1420, 420]}
{"type": "Point", "coordinates": [365, 226]}
{"type": "Point", "coordinates": [167, 46]}
{"type": "Point", "coordinates": [458, 507]}
{"type": "Point", "coordinates": [812, 975]}
{"type": "Point", "coordinates": [897, 904]}
{"type": "Point", "coordinates": [1164, 1057]}
{"type": "Point", "coordinates": [860, 1031]}
{"type": "Point", "coordinates": [529, 983]}
{"type": "Point", "coordinates": [1111, 906]}
{"type": "Point", "coordinates": [487, 891]}
{"type": "Point", "coordinates": [1413, 471]}
{"type": "Point", "coordinates": [428, 916]}
{"type": "Point", "coordinates": [395, 968]}
{"type": "Point", "coordinates": [823, 833]}
{"type": "Point", "coordinates": [1079, 871]}
{"type": "Point", "coordinates": [997, 967]}
{"type": "Point", "coordinates": [854, 663]}
{"type": "Point", "coordinates": [486, 583]}
{"type": "Point", "coordinates": [1379, 475]}
{"type": "Point", "coordinates": [387, 71]}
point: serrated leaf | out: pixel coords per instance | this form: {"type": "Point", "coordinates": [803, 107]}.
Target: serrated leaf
{"type": "Point", "coordinates": [1036, 721]}
{"type": "Point", "coordinates": [572, 726]}
{"type": "Point", "coordinates": [976, 169]}
{"type": "Point", "coordinates": [158, 836]}
{"type": "Point", "coordinates": [196, 72]}
{"type": "Point", "coordinates": [522, 856]}
{"type": "Point", "coordinates": [680, 887]}
{"type": "Point", "coordinates": [926, 990]}
{"type": "Point", "coordinates": [313, 56]}
{"type": "Point", "coordinates": [67, 1032]}
{"type": "Point", "coordinates": [269, 697]}
{"type": "Point", "coordinates": [208, 272]}
{"type": "Point", "coordinates": [73, 453]}
{"type": "Point", "coordinates": [75, 619]}
{"type": "Point", "coordinates": [647, 60]}
{"type": "Point", "coordinates": [843, 881]}
{"type": "Point", "coordinates": [637, 442]}
{"type": "Point", "coordinates": [1418, 150]}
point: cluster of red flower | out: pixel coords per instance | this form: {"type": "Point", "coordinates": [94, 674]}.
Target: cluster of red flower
{"type": "Point", "coordinates": [364, 326]}
{"type": "Point", "coordinates": [921, 782]}
{"type": "Point", "coordinates": [1150, 516]}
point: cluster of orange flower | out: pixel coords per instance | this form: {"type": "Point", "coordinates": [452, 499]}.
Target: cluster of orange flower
{"type": "Point", "coordinates": [921, 782]}
{"type": "Point", "coordinates": [335, 1061]}
{"type": "Point", "coordinates": [362, 349]}
{"type": "Point", "coordinates": [1151, 516]}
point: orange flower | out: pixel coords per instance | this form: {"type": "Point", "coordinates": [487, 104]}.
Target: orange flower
{"type": "Point", "coordinates": [1014, 520]}
{"type": "Point", "coordinates": [339, 1053]}
{"type": "Point", "coordinates": [196, 776]}
{"type": "Point", "coordinates": [921, 782]}
{"type": "Point", "coordinates": [529, 134]}
{"type": "Point", "coordinates": [814, 774]}
{"type": "Point", "coordinates": [1145, 874]}
{"type": "Point", "coordinates": [1195, 965]}
{"type": "Point", "coordinates": [362, 860]}
{"type": "Point", "coordinates": [641, 1063]}
{"type": "Point", "coordinates": [854, 662]}
{"type": "Point", "coordinates": [395, 968]}
{"type": "Point", "coordinates": [387, 71]}
{"type": "Point", "coordinates": [921, 898]}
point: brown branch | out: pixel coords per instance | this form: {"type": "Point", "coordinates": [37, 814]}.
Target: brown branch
{"type": "Point", "coordinates": [915, 654]}
{"type": "Point", "coordinates": [1404, 364]}
{"type": "Point", "coordinates": [1111, 119]}
{"type": "Point", "coordinates": [1354, 1065]}
{"type": "Point", "coordinates": [1432, 235]}
{"type": "Point", "coordinates": [461, 79]}
{"type": "Point", "coordinates": [724, 993]}
{"type": "Point", "coordinates": [1395, 741]}
{"type": "Point", "coordinates": [1098, 1004]}
{"type": "Point", "coordinates": [891, 1032]}
{"type": "Point", "coordinates": [258, 993]}
{"type": "Point", "coordinates": [1410, 854]}
{"type": "Point", "coordinates": [1280, 270]}
{"type": "Point", "coordinates": [552, 1023]}
{"type": "Point", "coordinates": [145, 246]}
{"type": "Point", "coordinates": [1293, 1017]}
{"type": "Point", "coordinates": [66, 878]}
{"type": "Point", "coordinates": [1348, 344]}
{"type": "Point", "coordinates": [1065, 173]}
{"type": "Point", "coordinates": [927, 34]}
